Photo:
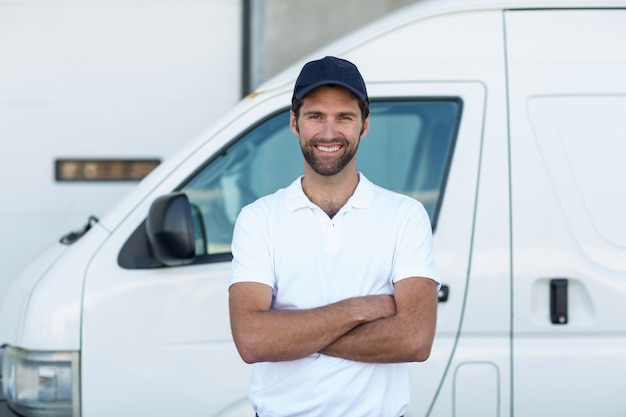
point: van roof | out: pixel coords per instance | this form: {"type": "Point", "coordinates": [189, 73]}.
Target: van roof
{"type": "Point", "coordinates": [418, 11]}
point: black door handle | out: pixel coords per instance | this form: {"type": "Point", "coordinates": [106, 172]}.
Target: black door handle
{"type": "Point", "coordinates": [442, 295]}
{"type": "Point", "coordinates": [558, 300]}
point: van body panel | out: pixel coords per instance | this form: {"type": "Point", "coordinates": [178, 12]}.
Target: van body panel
{"type": "Point", "coordinates": [589, 184]}
{"type": "Point", "coordinates": [16, 300]}
{"type": "Point", "coordinates": [567, 123]}
{"type": "Point", "coordinates": [44, 305]}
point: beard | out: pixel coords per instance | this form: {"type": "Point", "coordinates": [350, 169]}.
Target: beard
{"type": "Point", "coordinates": [330, 165]}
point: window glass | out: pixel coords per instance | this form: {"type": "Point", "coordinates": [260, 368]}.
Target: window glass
{"type": "Point", "coordinates": [406, 150]}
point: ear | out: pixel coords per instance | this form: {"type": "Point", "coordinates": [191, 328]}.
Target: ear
{"type": "Point", "coordinates": [366, 127]}
{"type": "Point", "coordinates": [293, 124]}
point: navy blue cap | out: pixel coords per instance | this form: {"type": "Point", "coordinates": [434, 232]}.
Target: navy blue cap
{"type": "Point", "coordinates": [330, 71]}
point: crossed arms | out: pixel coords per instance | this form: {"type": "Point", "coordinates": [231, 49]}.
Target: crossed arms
{"type": "Point", "coordinates": [374, 328]}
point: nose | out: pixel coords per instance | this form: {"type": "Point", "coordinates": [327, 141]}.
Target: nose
{"type": "Point", "coordinates": [329, 130]}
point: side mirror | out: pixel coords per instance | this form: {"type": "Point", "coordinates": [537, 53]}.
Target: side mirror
{"type": "Point", "coordinates": [169, 229]}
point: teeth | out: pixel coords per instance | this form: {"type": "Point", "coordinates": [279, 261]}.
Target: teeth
{"type": "Point", "coordinates": [334, 148]}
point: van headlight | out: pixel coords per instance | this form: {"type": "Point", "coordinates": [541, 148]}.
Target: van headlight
{"type": "Point", "coordinates": [40, 383]}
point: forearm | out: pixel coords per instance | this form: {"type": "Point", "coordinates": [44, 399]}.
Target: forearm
{"type": "Point", "coordinates": [386, 340]}
{"type": "Point", "coordinates": [276, 335]}
{"type": "Point", "coordinates": [262, 334]}
{"type": "Point", "coordinates": [406, 336]}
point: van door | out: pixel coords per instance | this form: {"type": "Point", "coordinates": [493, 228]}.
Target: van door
{"type": "Point", "coordinates": [157, 339]}
{"type": "Point", "coordinates": [568, 141]}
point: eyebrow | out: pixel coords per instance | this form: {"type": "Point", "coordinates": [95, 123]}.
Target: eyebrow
{"type": "Point", "coordinates": [318, 112]}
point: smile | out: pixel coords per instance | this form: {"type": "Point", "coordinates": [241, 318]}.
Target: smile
{"type": "Point", "coordinates": [328, 148]}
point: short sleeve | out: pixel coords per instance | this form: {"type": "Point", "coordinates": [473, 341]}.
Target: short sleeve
{"type": "Point", "coordinates": [414, 255]}
{"type": "Point", "coordinates": [251, 248]}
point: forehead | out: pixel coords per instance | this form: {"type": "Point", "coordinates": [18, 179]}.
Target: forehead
{"type": "Point", "coordinates": [332, 97]}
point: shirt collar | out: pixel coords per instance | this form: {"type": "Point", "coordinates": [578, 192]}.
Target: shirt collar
{"type": "Point", "coordinates": [361, 198]}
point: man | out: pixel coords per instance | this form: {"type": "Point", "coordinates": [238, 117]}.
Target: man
{"type": "Point", "coordinates": [334, 287]}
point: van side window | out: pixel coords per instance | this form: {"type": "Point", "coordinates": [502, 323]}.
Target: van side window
{"type": "Point", "coordinates": [408, 150]}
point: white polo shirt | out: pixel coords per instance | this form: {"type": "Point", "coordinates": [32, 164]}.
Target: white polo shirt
{"type": "Point", "coordinates": [285, 241]}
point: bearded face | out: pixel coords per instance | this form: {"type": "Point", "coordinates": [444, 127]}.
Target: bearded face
{"type": "Point", "coordinates": [330, 128]}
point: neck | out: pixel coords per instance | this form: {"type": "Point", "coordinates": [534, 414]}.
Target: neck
{"type": "Point", "coordinates": [330, 193]}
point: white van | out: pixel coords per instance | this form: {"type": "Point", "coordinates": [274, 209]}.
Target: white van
{"type": "Point", "coordinates": [506, 119]}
